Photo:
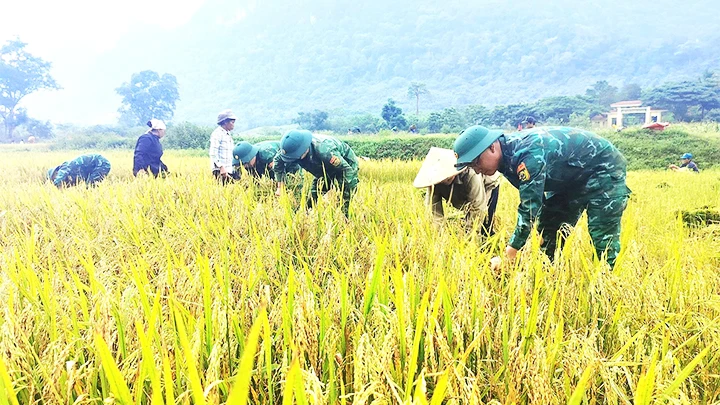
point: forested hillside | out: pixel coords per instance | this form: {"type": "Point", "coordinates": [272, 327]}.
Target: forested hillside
{"type": "Point", "coordinates": [269, 60]}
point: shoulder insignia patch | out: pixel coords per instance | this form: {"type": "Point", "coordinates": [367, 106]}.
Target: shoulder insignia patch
{"type": "Point", "coordinates": [522, 172]}
{"type": "Point", "coordinates": [335, 161]}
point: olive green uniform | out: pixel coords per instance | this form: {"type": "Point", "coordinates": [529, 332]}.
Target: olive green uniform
{"type": "Point", "coordinates": [89, 169]}
{"type": "Point", "coordinates": [265, 157]}
{"type": "Point", "coordinates": [331, 161]}
{"type": "Point", "coordinates": [560, 172]}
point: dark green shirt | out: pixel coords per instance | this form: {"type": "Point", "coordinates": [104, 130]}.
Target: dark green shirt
{"type": "Point", "coordinates": [328, 157]}
{"type": "Point", "coordinates": [265, 156]}
{"type": "Point", "coordinates": [558, 160]}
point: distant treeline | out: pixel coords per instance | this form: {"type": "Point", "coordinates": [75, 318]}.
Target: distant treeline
{"type": "Point", "coordinates": [644, 149]}
{"type": "Point", "coordinates": [686, 101]}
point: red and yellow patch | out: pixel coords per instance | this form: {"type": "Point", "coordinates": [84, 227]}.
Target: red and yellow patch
{"type": "Point", "coordinates": [335, 161]}
{"type": "Point", "coordinates": [522, 172]}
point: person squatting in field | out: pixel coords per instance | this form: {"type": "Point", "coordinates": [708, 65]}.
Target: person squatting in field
{"type": "Point", "coordinates": [330, 160]}
{"type": "Point", "coordinates": [221, 148]}
{"type": "Point", "coordinates": [89, 169]}
{"type": "Point", "coordinates": [686, 164]}
{"type": "Point", "coordinates": [560, 172]}
{"type": "Point", "coordinates": [474, 193]}
{"type": "Point", "coordinates": [258, 159]}
{"type": "Point", "coordinates": [149, 150]}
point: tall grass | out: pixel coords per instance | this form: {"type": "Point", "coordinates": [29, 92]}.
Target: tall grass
{"type": "Point", "coordinates": [178, 290]}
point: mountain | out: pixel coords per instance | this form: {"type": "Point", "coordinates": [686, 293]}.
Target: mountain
{"type": "Point", "coordinates": [268, 60]}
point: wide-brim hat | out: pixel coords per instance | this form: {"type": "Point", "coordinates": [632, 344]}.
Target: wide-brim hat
{"type": "Point", "coordinates": [439, 164]}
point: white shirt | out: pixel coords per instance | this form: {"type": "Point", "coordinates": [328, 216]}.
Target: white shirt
{"type": "Point", "coordinates": [221, 149]}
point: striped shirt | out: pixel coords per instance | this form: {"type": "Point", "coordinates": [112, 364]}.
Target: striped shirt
{"type": "Point", "coordinates": [221, 147]}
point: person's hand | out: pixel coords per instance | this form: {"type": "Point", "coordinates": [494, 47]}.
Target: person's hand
{"type": "Point", "coordinates": [495, 263]}
{"type": "Point", "coordinates": [223, 171]}
{"type": "Point", "coordinates": [280, 188]}
{"type": "Point", "coordinates": [510, 254]}
{"type": "Point", "coordinates": [673, 167]}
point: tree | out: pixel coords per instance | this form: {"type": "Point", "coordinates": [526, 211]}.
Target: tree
{"type": "Point", "coordinates": [35, 128]}
{"type": "Point", "coordinates": [711, 77]}
{"type": "Point", "coordinates": [435, 122]}
{"type": "Point", "coordinates": [602, 93]}
{"type": "Point", "coordinates": [630, 91]}
{"type": "Point", "coordinates": [314, 121]}
{"type": "Point", "coordinates": [21, 74]}
{"type": "Point", "coordinates": [510, 115]}
{"type": "Point", "coordinates": [678, 97]}
{"type": "Point", "coordinates": [477, 114]}
{"type": "Point", "coordinates": [562, 107]}
{"type": "Point", "coordinates": [415, 90]}
{"type": "Point", "coordinates": [148, 95]}
{"type": "Point", "coordinates": [452, 121]}
{"type": "Point", "coordinates": [393, 115]}
{"type": "Point", "coordinates": [367, 123]}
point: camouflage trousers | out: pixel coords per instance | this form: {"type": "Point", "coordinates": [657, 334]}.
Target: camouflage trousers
{"type": "Point", "coordinates": [322, 185]}
{"type": "Point", "coordinates": [604, 210]}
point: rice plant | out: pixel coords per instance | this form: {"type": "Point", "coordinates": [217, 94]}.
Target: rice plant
{"type": "Point", "coordinates": [178, 290]}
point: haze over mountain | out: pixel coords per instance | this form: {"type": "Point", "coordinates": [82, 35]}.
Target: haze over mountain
{"type": "Point", "coordinates": [268, 60]}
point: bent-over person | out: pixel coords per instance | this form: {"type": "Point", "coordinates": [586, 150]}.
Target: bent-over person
{"type": "Point", "coordinates": [473, 193]}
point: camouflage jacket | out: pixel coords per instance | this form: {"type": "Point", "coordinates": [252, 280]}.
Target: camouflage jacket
{"type": "Point", "coordinates": [328, 157]}
{"type": "Point", "coordinates": [265, 160]}
{"type": "Point", "coordinates": [82, 168]}
{"type": "Point", "coordinates": [558, 160]}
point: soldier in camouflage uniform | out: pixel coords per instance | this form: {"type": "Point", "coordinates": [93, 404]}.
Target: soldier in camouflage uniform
{"type": "Point", "coordinates": [258, 159]}
{"type": "Point", "coordinates": [560, 173]}
{"type": "Point", "coordinates": [330, 160]}
{"type": "Point", "coordinates": [90, 169]}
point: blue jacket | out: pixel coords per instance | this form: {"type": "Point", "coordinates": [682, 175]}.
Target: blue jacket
{"type": "Point", "coordinates": [691, 166]}
{"type": "Point", "coordinates": [148, 152]}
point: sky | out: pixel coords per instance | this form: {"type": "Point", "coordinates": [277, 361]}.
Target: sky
{"type": "Point", "coordinates": [72, 34]}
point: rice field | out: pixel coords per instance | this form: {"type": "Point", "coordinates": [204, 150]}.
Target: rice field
{"type": "Point", "coordinates": [178, 290]}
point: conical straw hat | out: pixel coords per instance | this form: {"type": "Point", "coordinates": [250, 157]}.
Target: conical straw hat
{"type": "Point", "coordinates": [439, 164]}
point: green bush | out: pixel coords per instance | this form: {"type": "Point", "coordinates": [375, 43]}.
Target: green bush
{"type": "Point", "coordinates": [401, 148]}
{"type": "Point", "coordinates": [188, 136]}
{"type": "Point", "coordinates": [96, 141]}
{"type": "Point", "coordinates": [645, 149]}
